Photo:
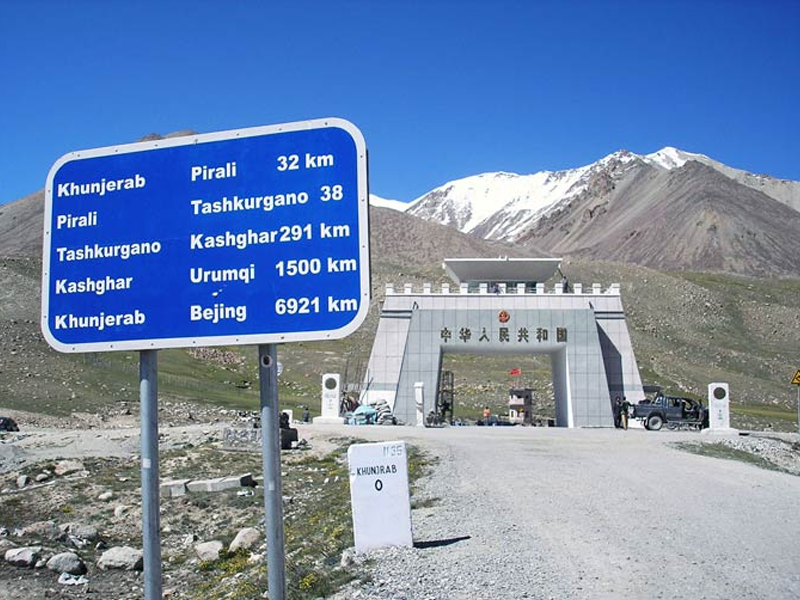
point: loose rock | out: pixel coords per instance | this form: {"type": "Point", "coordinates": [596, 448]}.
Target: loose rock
{"type": "Point", "coordinates": [45, 529]}
{"type": "Point", "coordinates": [67, 562]}
{"type": "Point", "coordinates": [65, 467]}
{"type": "Point", "coordinates": [23, 557]}
{"type": "Point", "coordinates": [121, 557]}
{"type": "Point", "coordinates": [246, 538]}
{"type": "Point", "coordinates": [208, 550]}
{"type": "Point", "coordinates": [82, 531]}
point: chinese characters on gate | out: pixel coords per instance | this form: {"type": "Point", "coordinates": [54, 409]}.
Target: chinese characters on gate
{"type": "Point", "coordinates": [504, 334]}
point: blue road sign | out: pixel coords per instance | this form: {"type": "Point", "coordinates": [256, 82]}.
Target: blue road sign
{"type": "Point", "coordinates": [252, 236]}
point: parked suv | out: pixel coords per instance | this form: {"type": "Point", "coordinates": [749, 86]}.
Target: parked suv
{"type": "Point", "coordinates": [673, 411]}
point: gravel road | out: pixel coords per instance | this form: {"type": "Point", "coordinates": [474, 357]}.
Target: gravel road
{"type": "Point", "coordinates": [594, 514]}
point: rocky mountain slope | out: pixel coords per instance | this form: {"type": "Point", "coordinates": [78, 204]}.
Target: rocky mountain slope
{"type": "Point", "coordinates": [783, 190]}
{"type": "Point", "coordinates": [689, 218]}
{"type": "Point", "coordinates": [504, 206]}
{"type": "Point", "coordinates": [667, 210]}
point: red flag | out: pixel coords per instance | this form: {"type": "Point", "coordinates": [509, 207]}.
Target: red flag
{"type": "Point", "coordinates": [515, 372]}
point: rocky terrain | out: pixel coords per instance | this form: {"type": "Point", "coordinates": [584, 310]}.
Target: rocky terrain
{"type": "Point", "coordinates": [70, 515]}
{"type": "Point", "coordinates": [70, 511]}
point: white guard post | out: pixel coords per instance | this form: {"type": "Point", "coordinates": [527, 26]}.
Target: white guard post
{"type": "Point", "coordinates": [379, 495]}
{"type": "Point", "coordinates": [719, 412]}
{"type": "Point", "coordinates": [331, 394]}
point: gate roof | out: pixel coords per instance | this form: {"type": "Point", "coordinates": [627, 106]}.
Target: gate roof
{"type": "Point", "coordinates": [503, 269]}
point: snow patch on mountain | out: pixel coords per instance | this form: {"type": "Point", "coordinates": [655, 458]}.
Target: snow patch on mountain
{"type": "Point", "coordinates": [672, 158]}
{"type": "Point", "coordinates": [470, 201]}
{"type": "Point", "coordinates": [503, 205]}
{"type": "Point", "coordinates": [397, 205]}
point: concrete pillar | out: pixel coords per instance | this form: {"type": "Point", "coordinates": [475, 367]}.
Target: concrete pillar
{"type": "Point", "coordinates": [561, 391]}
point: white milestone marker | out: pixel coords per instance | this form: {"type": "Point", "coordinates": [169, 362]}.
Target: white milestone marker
{"type": "Point", "coordinates": [379, 495]}
{"type": "Point", "coordinates": [719, 412]}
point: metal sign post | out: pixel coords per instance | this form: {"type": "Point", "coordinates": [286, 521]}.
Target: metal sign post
{"type": "Point", "coordinates": [271, 461]}
{"type": "Point", "coordinates": [151, 532]}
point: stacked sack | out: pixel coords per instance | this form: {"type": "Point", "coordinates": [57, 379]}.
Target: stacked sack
{"type": "Point", "coordinates": [385, 416]}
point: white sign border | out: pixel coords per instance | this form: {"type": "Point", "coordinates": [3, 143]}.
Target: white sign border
{"type": "Point", "coordinates": [227, 340]}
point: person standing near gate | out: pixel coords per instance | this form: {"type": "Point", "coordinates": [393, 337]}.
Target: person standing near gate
{"type": "Point", "coordinates": [617, 412]}
{"type": "Point", "coordinates": [623, 415]}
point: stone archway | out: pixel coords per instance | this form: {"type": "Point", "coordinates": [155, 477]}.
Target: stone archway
{"type": "Point", "coordinates": [584, 333]}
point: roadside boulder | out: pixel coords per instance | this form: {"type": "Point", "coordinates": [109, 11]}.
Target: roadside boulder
{"type": "Point", "coordinates": [22, 481]}
{"type": "Point", "coordinates": [208, 550]}
{"type": "Point", "coordinates": [23, 557]}
{"type": "Point", "coordinates": [45, 529]}
{"type": "Point", "coordinates": [82, 531]}
{"type": "Point", "coordinates": [246, 539]}
{"type": "Point", "coordinates": [79, 534]}
{"type": "Point", "coordinates": [65, 467]}
{"type": "Point", "coordinates": [67, 562]}
{"type": "Point", "coordinates": [121, 557]}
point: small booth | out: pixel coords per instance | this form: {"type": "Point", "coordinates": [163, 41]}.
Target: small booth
{"type": "Point", "coordinates": [520, 405]}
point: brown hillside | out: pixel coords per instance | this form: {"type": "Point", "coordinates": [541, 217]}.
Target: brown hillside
{"type": "Point", "coordinates": [21, 225]}
{"type": "Point", "coordinates": [402, 239]}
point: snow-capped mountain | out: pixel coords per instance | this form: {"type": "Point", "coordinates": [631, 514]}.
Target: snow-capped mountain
{"type": "Point", "coordinates": [386, 203]}
{"type": "Point", "coordinates": [503, 206]}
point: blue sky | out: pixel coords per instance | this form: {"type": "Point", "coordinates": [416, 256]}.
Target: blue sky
{"type": "Point", "coordinates": [441, 89]}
